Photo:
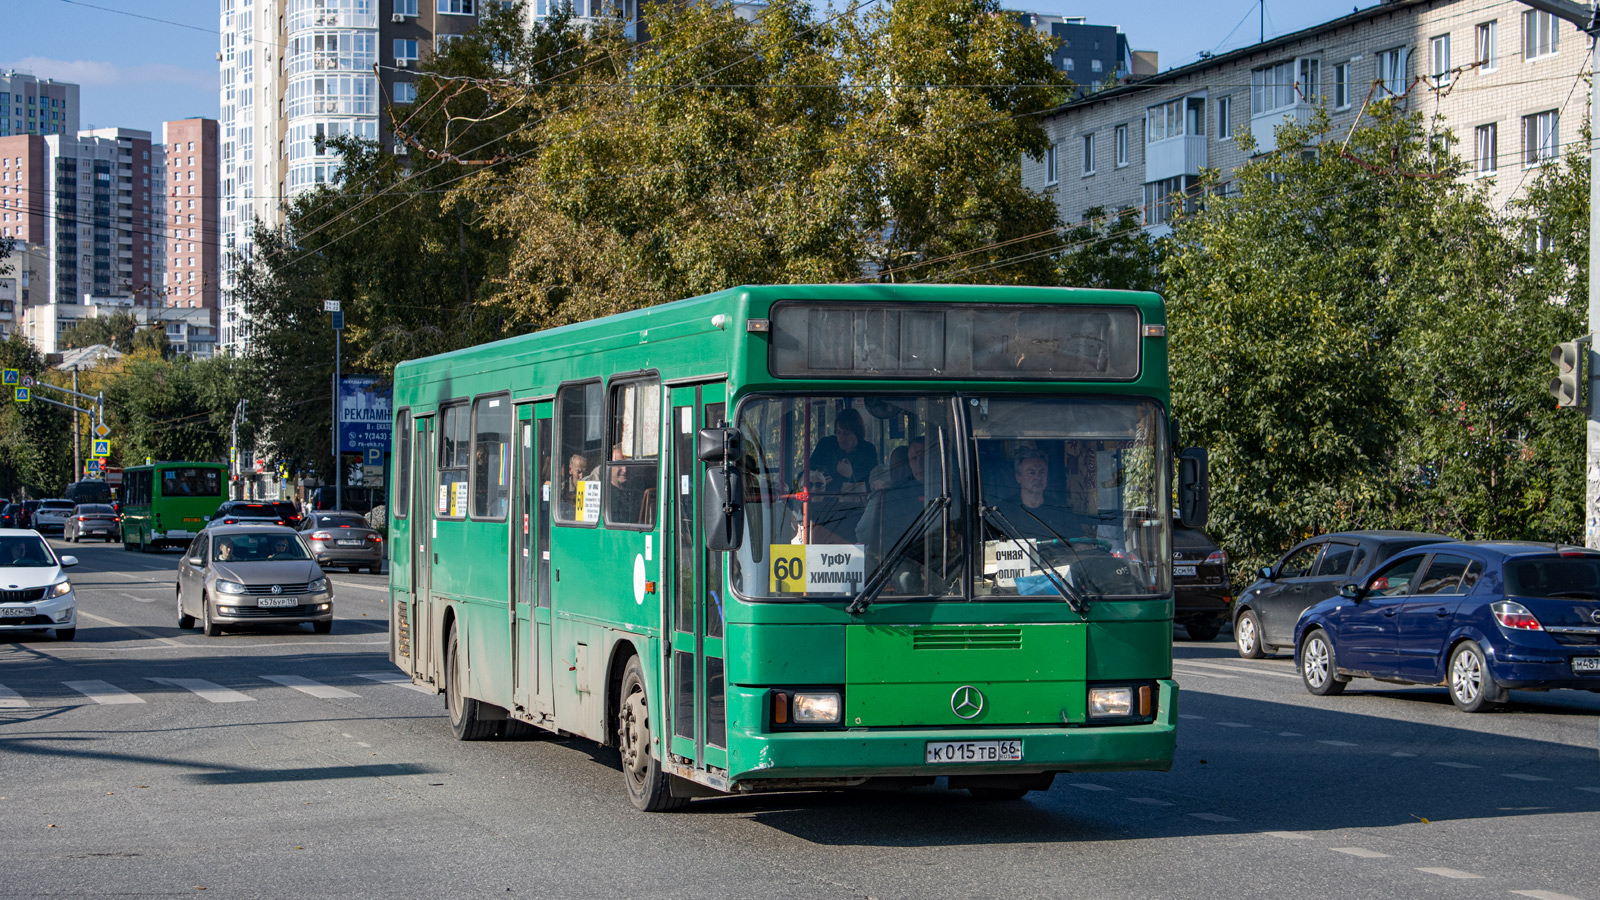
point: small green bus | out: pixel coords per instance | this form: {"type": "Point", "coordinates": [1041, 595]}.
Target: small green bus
{"type": "Point", "coordinates": [166, 504]}
{"type": "Point", "coordinates": [803, 536]}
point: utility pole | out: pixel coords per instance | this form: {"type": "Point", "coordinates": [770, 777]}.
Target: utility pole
{"type": "Point", "coordinates": [77, 443]}
{"type": "Point", "coordinates": [233, 450]}
{"type": "Point", "coordinates": [332, 306]}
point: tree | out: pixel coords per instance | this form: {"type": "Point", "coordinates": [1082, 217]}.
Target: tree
{"type": "Point", "coordinates": [178, 409]}
{"type": "Point", "coordinates": [35, 437]}
{"type": "Point", "coordinates": [1113, 252]}
{"type": "Point", "coordinates": [116, 331]}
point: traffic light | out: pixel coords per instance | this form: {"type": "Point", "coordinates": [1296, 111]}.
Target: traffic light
{"type": "Point", "coordinates": [1567, 386]}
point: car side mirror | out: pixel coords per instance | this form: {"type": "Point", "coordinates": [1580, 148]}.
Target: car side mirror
{"type": "Point", "coordinates": [68, 562]}
{"type": "Point", "coordinates": [1267, 574]}
{"type": "Point", "coordinates": [1194, 487]}
{"type": "Point", "coordinates": [1352, 592]}
{"type": "Point", "coordinates": [197, 561]}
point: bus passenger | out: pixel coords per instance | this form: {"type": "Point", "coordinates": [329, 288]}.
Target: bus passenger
{"type": "Point", "coordinates": [577, 465]}
{"type": "Point", "coordinates": [842, 461]}
{"type": "Point", "coordinates": [625, 497]}
{"type": "Point", "coordinates": [892, 508]}
{"type": "Point", "coordinates": [1030, 511]}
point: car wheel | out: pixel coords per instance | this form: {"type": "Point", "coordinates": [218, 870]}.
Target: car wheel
{"type": "Point", "coordinates": [1202, 630]}
{"type": "Point", "coordinates": [464, 721]}
{"type": "Point", "coordinates": [1317, 667]}
{"type": "Point", "coordinates": [185, 621]}
{"type": "Point", "coordinates": [210, 628]}
{"type": "Point", "coordinates": [1247, 635]}
{"type": "Point", "coordinates": [66, 634]}
{"type": "Point", "coordinates": [323, 627]}
{"type": "Point", "coordinates": [1472, 686]}
{"type": "Point", "coordinates": [649, 788]}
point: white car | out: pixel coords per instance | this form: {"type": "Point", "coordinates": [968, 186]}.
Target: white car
{"type": "Point", "coordinates": [35, 594]}
{"type": "Point", "coordinates": [52, 515]}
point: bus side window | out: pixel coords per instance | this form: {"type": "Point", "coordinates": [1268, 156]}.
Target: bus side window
{"type": "Point", "coordinates": [578, 441]}
{"type": "Point", "coordinates": [633, 453]}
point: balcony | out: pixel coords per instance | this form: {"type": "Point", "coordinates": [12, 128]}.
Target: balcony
{"type": "Point", "coordinates": [1169, 158]}
{"type": "Point", "coordinates": [1264, 127]}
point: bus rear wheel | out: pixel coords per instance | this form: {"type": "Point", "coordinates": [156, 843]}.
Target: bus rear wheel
{"type": "Point", "coordinates": [649, 788]}
{"type": "Point", "coordinates": [465, 723]}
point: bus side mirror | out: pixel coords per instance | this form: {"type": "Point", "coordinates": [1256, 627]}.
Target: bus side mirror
{"type": "Point", "coordinates": [715, 445]}
{"type": "Point", "coordinates": [1194, 487]}
{"type": "Point", "coordinates": [722, 508]}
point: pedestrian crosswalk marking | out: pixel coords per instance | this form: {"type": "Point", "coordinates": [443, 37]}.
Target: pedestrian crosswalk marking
{"type": "Point", "coordinates": [10, 699]}
{"type": "Point", "coordinates": [396, 679]}
{"type": "Point", "coordinates": [314, 688]}
{"type": "Point", "coordinates": [101, 692]}
{"type": "Point", "coordinates": [208, 690]}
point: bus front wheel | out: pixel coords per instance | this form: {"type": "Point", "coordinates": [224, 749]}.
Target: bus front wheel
{"type": "Point", "coordinates": [649, 788]}
{"type": "Point", "coordinates": [465, 723]}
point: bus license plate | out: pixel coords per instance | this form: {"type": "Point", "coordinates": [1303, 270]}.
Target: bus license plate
{"type": "Point", "coordinates": [278, 601]}
{"type": "Point", "coordinates": [1586, 664]}
{"type": "Point", "coordinates": [1182, 570]}
{"type": "Point", "coordinates": [974, 751]}
{"type": "Point", "coordinates": [17, 612]}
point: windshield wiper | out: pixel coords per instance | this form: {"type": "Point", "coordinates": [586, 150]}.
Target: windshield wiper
{"type": "Point", "coordinates": [1074, 597]}
{"type": "Point", "coordinates": [879, 577]}
{"type": "Point", "coordinates": [1093, 588]}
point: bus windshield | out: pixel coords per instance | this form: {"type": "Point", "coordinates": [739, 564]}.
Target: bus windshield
{"type": "Point", "coordinates": [936, 496]}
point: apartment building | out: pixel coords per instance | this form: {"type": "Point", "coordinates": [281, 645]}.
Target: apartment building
{"type": "Point", "coordinates": [19, 271]}
{"type": "Point", "coordinates": [1507, 81]}
{"type": "Point", "coordinates": [30, 105]}
{"type": "Point", "coordinates": [191, 208]}
{"type": "Point", "coordinates": [1093, 56]}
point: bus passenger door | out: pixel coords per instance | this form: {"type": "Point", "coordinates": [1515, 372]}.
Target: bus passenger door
{"type": "Point", "coordinates": [695, 668]}
{"type": "Point", "coordinates": [530, 626]}
{"type": "Point", "coordinates": [421, 538]}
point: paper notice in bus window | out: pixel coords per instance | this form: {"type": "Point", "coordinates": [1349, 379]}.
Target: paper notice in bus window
{"type": "Point", "coordinates": [444, 499]}
{"type": "Point", "coordinates": [588, 501]}
{"type": "Point", "coordinates": [1005, 561]}
{"type": "Point", "coordinates": [817, 568]}
{"type": "Point", "coordinates": [458, 503]}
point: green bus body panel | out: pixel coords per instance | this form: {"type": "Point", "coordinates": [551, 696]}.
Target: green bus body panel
{"type": "Point", "coordinates": [162, 513]}
{"type": "Point", "coordinates": [597, 618]}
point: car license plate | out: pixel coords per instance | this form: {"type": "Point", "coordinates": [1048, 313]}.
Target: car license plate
{"type": "Point", "coordinates": [17, 612]}
{"type": "Point", "coordinates": [1586, 664]}
{"type": "Point", "coordinates": [278, 601]}
{"type": "Point", "coordinates": [349, 543]}
{"type": "Point", "coordinates": [1182, 570]}
{"type": "Point", "coordinates": [974, 751]}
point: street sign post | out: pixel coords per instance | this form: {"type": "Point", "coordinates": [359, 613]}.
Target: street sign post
{"type": "Point", "coordinates": [24, 394]}
{"type": "Point", "coordinates": [100, 447]}
{"type": "Point", "coordinates": [10, 377]}
{"type": "Point", "coordinates": [102, 430]}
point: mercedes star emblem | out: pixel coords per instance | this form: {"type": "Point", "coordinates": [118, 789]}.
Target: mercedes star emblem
{"type": "Point", "coordinates": [1595, 615]}
{"type": "Point", "coordinates": [966, 702]}
{"type": "Point", "coordinates": [277, 589]}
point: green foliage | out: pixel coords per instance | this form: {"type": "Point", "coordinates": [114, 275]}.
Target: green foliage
{"type": "Point", "coordinates": [171, 408]}
{"type": "Point", "coordinates": [1354, 339]}
{"type": "Point", "coordinates": [115, 331]}
{"type": "Point", "coordinates": [1112, 252]}
{"type": "Point", "coordinates": [35, 437]}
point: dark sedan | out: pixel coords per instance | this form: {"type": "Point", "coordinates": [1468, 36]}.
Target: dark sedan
{"type": "Point", "coordinates": [8, 515]}
{"type": "Point", "coordinates": [1480, 617]}
{"type": "Point", "coordinates": [249, 512]}
{"type": "Point", "coordinates": [1201, 594]}
{"type": "Point", "coordinates": [1265, 615]}
{"type": "Point", "coordinates": [341, 538]}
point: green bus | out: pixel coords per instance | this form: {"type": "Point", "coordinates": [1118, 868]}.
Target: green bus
{"type": "Point", "coordinates": [166, 504]}
{"type": "Point", "coordinates": [803, 536]}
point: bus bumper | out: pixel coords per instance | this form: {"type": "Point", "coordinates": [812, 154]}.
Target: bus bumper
{"type": "Point", "coordinates": [795, 756]}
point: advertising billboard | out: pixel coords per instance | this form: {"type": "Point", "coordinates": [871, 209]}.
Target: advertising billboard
{"type": "Point", "coordinates": [364, 413]}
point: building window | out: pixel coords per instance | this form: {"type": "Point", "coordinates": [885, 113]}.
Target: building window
{"type": "Point", "coordinates": [1122, 146]}
{"type": "Point", "coordinates": [1541, 138]}
{"type": "Point", "coordinates": [1540, 32]}
{"type": "Point", "coordinates": [405, 92]}
{"type": "Point", "coordinates": [1088, 154]}
{"type": "Point", "coordinates": [1071, 64]}
{"type": "Point", "coordinates": [1487, 46]}
{"type": "Point", "coordinates": [405, 50]}
{"type": "Point", "coordinates": [1309, 86]}
{"type": "Point", "coordinates": [1341, 86]}
{"type": "Point", "coordinates": [1272, 88]}
{"type": "Point", "coordinates": [1224, 118]}
{"type": "Point", "coordinates": [1392, 71]}
{"type": "Point", "coordinates": [1439, 47]}
{"type": "Point", "coordinates": [1487, 140]}
{"type": "Point", "coordinates": [1162, 198]}
{"type": "Point", "coordinates": [442, 41]}
{"type": "Point", "coordinates": [456, 7]}
{"type": "Point", "coordinates": [1094, 65]}
{"type": "Point", "coordinates": [405, 7]}
{"type": "Point", "coordinates": [1050, 164]}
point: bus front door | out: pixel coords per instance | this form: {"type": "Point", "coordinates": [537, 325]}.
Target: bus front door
{"type": "Point", "coordinates": [530, 623]}
{"type": "Point", "coordinates": [422, 548]}
{"type": "Point", "coordinates": [695, 665]}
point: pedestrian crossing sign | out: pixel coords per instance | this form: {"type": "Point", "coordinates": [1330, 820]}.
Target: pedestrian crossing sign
{"type": "Point", "coordinates": [24, 395]}
{"type": "Point", "coordinates": [101, 448]}
{"type": "Point", "coordinates": [12, 376]}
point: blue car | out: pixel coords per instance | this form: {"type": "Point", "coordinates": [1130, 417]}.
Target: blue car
{"type": "Point", "coordinates": [1480, 617]}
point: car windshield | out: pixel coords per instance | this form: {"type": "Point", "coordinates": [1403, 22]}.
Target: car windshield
{"type": "Point", "coordinates": [257, 547]}
{"type": "Point", "coordinates": [1553, 576]}
{"type": "Point", "coordinates": [57, 504]}
{"type": "Point", "coordinates": [94, 509]}
{"type": "Point", "coordinates": [25, 552]}
{"type": "Point", "coordinates": [251, 511]}
{"type": "Point", "coordinates": [341, 522]}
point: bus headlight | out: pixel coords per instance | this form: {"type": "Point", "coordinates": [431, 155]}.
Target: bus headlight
{"type": "Point", "coordinates": [1109, 702]}
{"type": "Point", "coordinates": [816, 708]}
{"type": "Point", "coordinates": [229, 587]}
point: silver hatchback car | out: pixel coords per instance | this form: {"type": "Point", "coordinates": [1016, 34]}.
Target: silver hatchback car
{"type": "Point", "coordinates": [239, 575]}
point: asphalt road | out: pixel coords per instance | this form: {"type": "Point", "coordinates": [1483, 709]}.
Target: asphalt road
{"type": "Point", "coordinates": [144, 760]}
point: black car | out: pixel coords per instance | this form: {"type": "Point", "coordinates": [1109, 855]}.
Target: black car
{"type": "Point", "coordinates": [1312, 571]}
{"type": "Point", "coordinates": [8, 515]}
{"type": "Point", "coordinates": [251, 512]}
{"type": "Point", "coordinates": [1201, 593]}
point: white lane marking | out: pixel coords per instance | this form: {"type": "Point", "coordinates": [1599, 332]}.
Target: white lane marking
{"type": "Point", "coordinates": [1288, 835]}
{"type": "Point", "coordinates": [1447, 873]}
{"type": "Point", "coordinates": [208, 690]}
{"type": "Point", "coordinates": [1250, 670]}
{"type": "Point", "coordinates": [1290, 734]}
{"type": "Point", "coordinates": [1213, 817]}
{"type": "Point", "coordinates": [1338, 743]}
{"type": "Point", "coordinates": [138, 599]}
{"type": "Point", "coordinates": [307, 686]}
{"type": "Point", "coordinates": [1402, 754]}
{"type": "Point", "coordinates": [1361, 852]}
{"type": "Point", "coordinates": [1189, 716]}
{"type": "Point", "coordinates": [101, 692]}
{"type": "Point", "coordinates": [1545, 895]}
{"type": "Point", "coordinates": [1592, 790]}
{"type": "Point", "coordinates": [1521, 777]}
{"type": "Point", "coordinates": [133, 628]}
{"type": "Point", "coordinates": [396, 680]}
{"type": "Point", "coordinates": [1232, 725]}
{"type": "Point", "coordinates": [1456, 765]}
{"type": "Point", "coordinates": [362, 744]}
{"type": "Point", "coordinates": [1091, 787]}
{"type": "Point", "coordinates": [364, 587]}
{"type": "Point", "coordinates": [302, 644]}
{"type": "Point", "coordinates": [10, 699]}
{"type": "Point", "coordinates": [1177, 671]}
{"type": "Point", "coordinates": [1148, 801]}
